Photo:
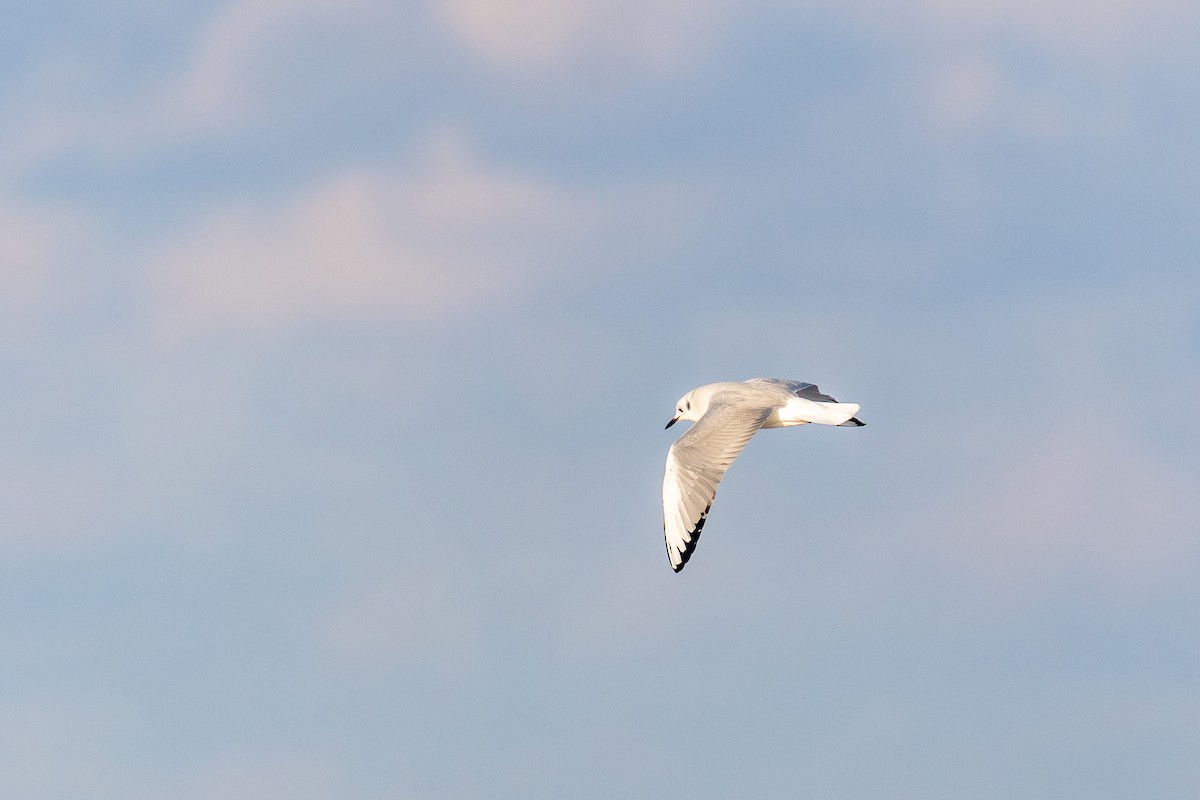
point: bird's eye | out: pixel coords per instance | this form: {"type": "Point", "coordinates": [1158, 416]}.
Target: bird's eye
{"type": "Point", "coordinates": [689, 405]}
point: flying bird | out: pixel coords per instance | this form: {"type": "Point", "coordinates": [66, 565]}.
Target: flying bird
{"type": "Point", "coordinates": [727, 415]}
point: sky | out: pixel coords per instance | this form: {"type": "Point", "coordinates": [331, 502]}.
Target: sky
{"type": "Point", "coordinates": [337, 338]}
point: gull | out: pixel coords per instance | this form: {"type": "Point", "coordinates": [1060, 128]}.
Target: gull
{"type": "Point", "coordinates": [727, 415]}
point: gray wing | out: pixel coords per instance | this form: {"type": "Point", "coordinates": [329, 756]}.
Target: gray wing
{"type": "Point", "coordinates": [695, 465]}
{"type": "Point", "coordinates": [808, 391]}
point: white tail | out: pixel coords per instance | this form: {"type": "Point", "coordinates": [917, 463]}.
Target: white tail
{"type": "Point", "coordinates": [799, 411]}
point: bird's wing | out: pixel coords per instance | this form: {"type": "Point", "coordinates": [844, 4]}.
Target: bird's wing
{"type": "Point", "coordinates": [808, 391]}
{"type": "Point", "coordinates": [695, 465]}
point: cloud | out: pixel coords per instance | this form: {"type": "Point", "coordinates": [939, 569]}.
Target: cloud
{"type": "Point", "coordinates": [220, 77]}
{"type": "Point", "coordinates": [419, 242]}
{"type": "Point", "coordinates": [36, 241]}
{"type": "Point", "coordinates": [1080, 505]}
{"type": "Point", "coordinates": [1097, 30]}
{"type": "Point", "coordinates": [1062, 470]}
{"type": "Point", "coordinates": [536, 35]}
{"type": "Point", "coordinates": [114, 110]}
{"type": "Point", "coordinates": [974, 94]}
{"type": "Point", "coordinates": [253, 60]}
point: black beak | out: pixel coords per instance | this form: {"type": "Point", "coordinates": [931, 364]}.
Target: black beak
{"type": "Point", "coordinates": [672, 422]}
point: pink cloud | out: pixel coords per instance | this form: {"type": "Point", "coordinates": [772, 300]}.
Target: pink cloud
{"type": "Point", "coordinates": [1090, 505]}
{"type": "Point", "coordinates": [540, 35]}
{"type": "Point", "coordinates": [36, 240]}
{"type": "Point", "coordinates": [212, 88]}
{"type": "Point", "coordinates": [422, 242]}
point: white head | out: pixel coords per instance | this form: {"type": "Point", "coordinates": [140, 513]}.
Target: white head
{"type": "Point", "coordinates": [691, 406]}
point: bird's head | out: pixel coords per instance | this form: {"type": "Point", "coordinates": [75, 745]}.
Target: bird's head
{"type": "Point", "coordinates": [687, 408]}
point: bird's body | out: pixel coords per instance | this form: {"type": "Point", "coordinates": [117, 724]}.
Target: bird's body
{"type": "Point", "coordinates": [727, 415]}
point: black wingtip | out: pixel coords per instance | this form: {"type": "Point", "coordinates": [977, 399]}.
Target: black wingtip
{"type": "Point", "coordinates": [686, 554]}
{"type": "Point", "coordinates": [853, 422]}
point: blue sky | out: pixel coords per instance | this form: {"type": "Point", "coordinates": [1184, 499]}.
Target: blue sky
{"type": "Point", "coordinates": [338, 336]}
